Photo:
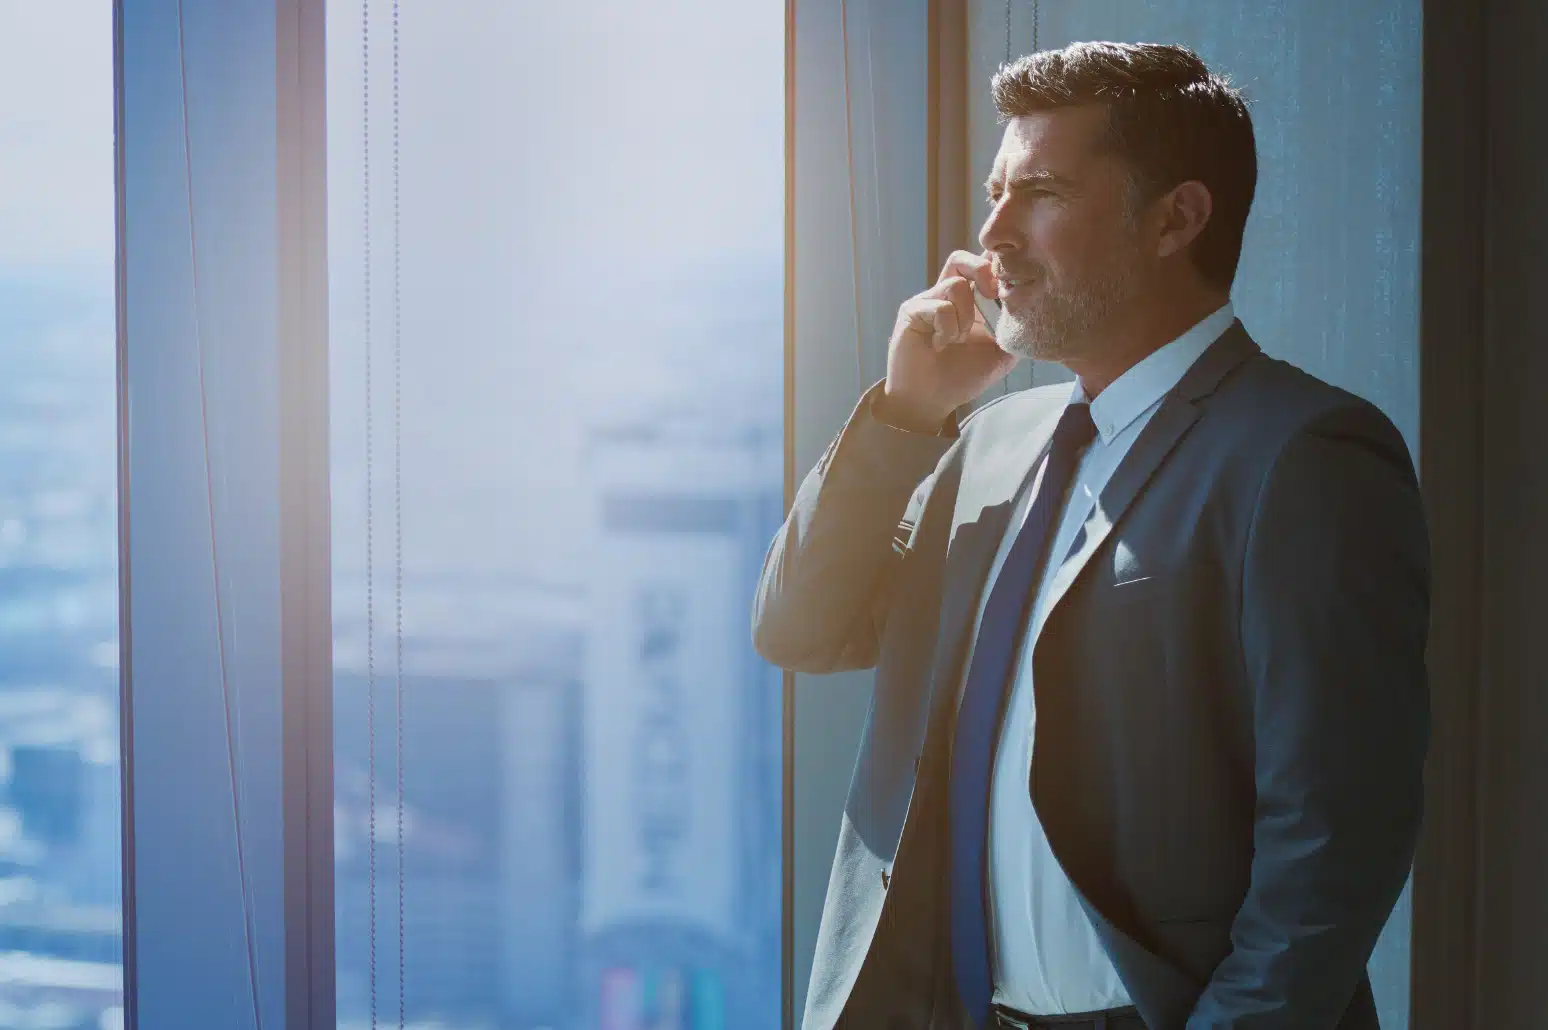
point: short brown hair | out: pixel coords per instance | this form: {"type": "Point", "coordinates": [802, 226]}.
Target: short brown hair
{"type": "Point", "coordinates": [1169, 118]}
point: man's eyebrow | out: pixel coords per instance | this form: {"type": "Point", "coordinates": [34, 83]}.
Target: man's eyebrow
{"type": "Point", "coordinates": [1030, 180]}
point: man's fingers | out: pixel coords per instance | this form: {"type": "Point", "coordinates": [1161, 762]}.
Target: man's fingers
{"type": "Point", "coordinates": [970, 266]}
{"type": "Point", "coordinates": [975, 268]}
{"type": "Point", "coordinates": [943, 322]}
{"type": "Point", "coordinates": [935, 319]}
{"type": "Point", "coordinates": [959, 291]}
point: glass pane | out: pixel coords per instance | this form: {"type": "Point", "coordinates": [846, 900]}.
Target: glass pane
{"type": "Point", "coordinates": [1330, 263]}
{"type": "Point", "coordinates": [60, 884]}
{"type": "Point", "coordinates": [589, 417]}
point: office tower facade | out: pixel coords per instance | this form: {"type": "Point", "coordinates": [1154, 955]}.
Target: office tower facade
{"type": "Point", "coordinates": [681, 881]}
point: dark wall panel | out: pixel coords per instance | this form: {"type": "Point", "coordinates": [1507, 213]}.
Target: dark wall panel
{"type": "Point", "coordinates": [1513, 840]}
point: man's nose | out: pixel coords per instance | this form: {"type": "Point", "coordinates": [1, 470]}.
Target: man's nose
{"type": "Point", "coordinates": [996, 234]}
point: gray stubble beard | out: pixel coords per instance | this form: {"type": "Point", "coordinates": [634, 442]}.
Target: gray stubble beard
{"type": "Point", "coordinates": [1062, 324]}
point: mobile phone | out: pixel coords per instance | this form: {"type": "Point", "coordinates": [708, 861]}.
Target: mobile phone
{"type": "Point", "coordinates": [989, 307]}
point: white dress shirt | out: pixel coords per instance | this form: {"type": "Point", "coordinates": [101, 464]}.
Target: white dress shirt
{"type": "Point", "coordinates": [1047, 959]}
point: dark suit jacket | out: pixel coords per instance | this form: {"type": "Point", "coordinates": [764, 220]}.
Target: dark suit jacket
{"type": "Point", "coordinates": [1231, 692]}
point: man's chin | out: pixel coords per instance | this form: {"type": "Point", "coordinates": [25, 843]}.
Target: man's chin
{"type": "Point", "coordinates": [1023, 343]}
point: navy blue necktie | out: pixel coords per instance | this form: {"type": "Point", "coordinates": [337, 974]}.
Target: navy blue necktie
{"type": "Point", "coordinates": [978, 716]}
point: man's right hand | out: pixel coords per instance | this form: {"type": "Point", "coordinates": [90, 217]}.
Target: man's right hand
{"type": "Point", "coordinates": [941, 354]}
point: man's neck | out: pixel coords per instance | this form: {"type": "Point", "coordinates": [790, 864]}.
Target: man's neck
{"type": "Point", "coordinates": [1139, 335]}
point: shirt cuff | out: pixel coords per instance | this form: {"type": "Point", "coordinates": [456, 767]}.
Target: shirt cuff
{"type": "Point", "coordinates": [949, 428]}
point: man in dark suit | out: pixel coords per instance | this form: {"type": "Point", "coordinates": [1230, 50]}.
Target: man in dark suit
{"type": "Point", "coordinates": [1151, 709]}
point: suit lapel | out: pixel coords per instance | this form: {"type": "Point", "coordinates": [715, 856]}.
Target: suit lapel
{"type": "Point", "coordinates": [992, 476]}
{"type": "Point", "coordinates": [1167, 426]}
{"type": "Point", "coordinates": [1177, 414]}
{"type": "Point", "coordinates": [997, 465]}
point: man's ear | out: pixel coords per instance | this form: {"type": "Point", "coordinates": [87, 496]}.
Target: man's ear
{"type": "Point", "coordinates": [1183, 212]}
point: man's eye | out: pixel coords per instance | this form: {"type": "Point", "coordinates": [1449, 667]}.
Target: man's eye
{"type": "Point", "coordinates": [1030, 191]}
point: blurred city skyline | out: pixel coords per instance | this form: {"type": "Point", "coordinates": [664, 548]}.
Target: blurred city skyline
{"type": "Point", "coordinates": [591, 310]}
{"type": "Point", "coordinates": [592, 216]}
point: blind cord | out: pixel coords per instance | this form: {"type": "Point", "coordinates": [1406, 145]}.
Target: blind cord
{"type": "Point", "coordinates": [397, 499]}
{"type": "Point", "coordinates": [209, 494]}
{"type": "Point", "coordinates": [397, 491]}
{"type": "Point", "coordinates": [1008, 28]}
{"type": "Point", "coordinates": [854, 223]}
{"type": "Point", "coordinates": [370, 555]}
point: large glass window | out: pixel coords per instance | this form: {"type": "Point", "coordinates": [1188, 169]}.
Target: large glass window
{"type": "Point", "coordinates": [60, 925]}
{"type": "Point", "coordinates": [557, 461]}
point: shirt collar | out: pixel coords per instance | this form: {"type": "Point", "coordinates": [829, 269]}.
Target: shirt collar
{"type": "Point", "coordinates": [1131, 394]}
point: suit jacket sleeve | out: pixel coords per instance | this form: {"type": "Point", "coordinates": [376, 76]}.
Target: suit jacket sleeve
{"type": "Point", "coordinates": [1334, 617]}
{"type": "Point", "coordinates": [822, 597]}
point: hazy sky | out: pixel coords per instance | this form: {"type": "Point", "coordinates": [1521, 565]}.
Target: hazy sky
{"type": "Point", "coordinates": [592, 204]}
{"type": "Point", "coordinates": [56, 124]}
{"type": "Point", "coordinates": [592, 214]}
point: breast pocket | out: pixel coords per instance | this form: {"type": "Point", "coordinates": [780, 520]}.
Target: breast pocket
{"type": "Point", "coordinates": [1139, 588]}
{"type": "Point", "coordinates": [1149, 588]}
{"type": "Point", "coordinates": [1135, 568]}
{"type": "Point", "coordinates": [1131, 576]}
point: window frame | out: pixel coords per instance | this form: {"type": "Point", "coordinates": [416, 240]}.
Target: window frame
{"type": "Point", "coordinates": [838, 315]}
{"type": "Point", "coordinates": [252, 111]}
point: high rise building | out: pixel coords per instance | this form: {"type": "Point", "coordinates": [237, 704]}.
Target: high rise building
{"type": "Point", "coordinates": [681, 757]}
{"type": "Point", "coordinates": [490, 702]}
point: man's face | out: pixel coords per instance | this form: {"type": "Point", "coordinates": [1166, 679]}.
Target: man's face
{"type": "Point", "coordinates": [1061, 228]}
